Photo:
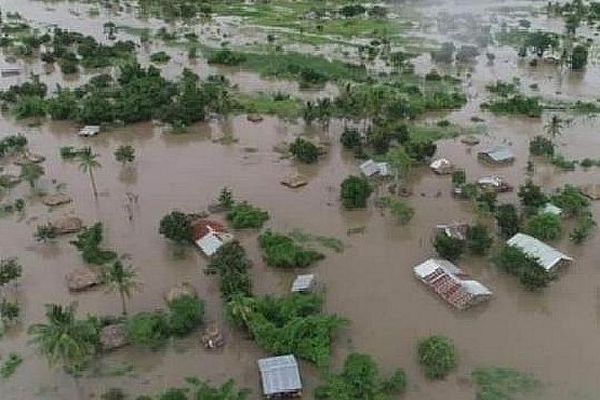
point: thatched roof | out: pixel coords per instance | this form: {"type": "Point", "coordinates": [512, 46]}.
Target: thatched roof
{"type": "Point", "coordinates": [56, 199]}
{"type": "Point", "coordinates": [81, 279]}
{"type": "Point", "coordinates": [181, 289]}
{"type": "Point", "coordinates": [66, 224]}
{"type": "Point", "coordinates": [113, 337]}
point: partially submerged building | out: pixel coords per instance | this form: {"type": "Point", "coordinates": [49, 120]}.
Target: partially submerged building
{"type": "Point", "coordinates": [442, 166]}
{"type": "Point", "coordinates": [304, 283]}
{"type": "Point", "coordinates": [495, 183]}
{"type": "Point", "coordinates": [455, 230]}
{"type": "Point", "coordinates": [497, 155]}
{"type": "Point", "coordinates": [451, 283]}
{"type": "Point", "coordinates": [371, 168]}
{"type": "Point", "coordinates": [89, 130]}
{"type": "Point", "coordinates": [550, 208]}
{"type": "Point", "coordinates": [280, 377]}
{"type": "Point", "coordinates": [548, 257]}
{"type": "Point", "coordinates": [209, 235]}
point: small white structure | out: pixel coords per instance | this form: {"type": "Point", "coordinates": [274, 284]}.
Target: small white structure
{"type": "Point", "coordinates": [548, 257]}
{"type": "Point", "coordinates": [10, 71]}
{"type": "Point", "coordinates": [454, 230]}
{"type": "Point", "coordinates": [495, 183]}
{"type": "Point", "coordinates": [550, 208]}
{"type": "Point", "coordinates": [371, 168]}
{"type": "Point", "coordinates": [441, 166]}
{"type": "Point", "coordinates": [209, 236]}
{"type": "Point", "coordinates": [497, 155]}
{"type": "Point", "coordinates": [451, 283]}
{"type": "Point", "coordinates": [280, 377]}
{"type": "Point", "coordinates": [89, 130]}
{"type": "Point", "coordinates": [304, 283]}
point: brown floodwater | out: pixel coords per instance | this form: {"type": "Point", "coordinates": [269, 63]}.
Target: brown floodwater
{"type": "Point", "coordinates": [554, 334]}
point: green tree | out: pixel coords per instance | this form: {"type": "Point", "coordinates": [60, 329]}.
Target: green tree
{"type": "Point", "coordinates": [10, 270]}
{"type": "Point", "coordinates": [532, 196]}
{"type": "Point", "coordinates": [31, 172]}
{"type": "Point", "coordinates": [125, 154]}
{"type": "Point", "coordinates": [528, 269]}
{"type": "Point", "coordinates": [400, 163]}
{"type": "Point", "coordinates": [459, 177]}
{"type": "Point", "coordinates": [45, 232]}
{"type": "Point", "coordinates": [507, 220]}
{"type": "Point", "coordinates": [448, 247]}
{"type": "Point", "coordinates": [399, 209]}
{"type": "Point", "coordinates": [185, 314]}
{"type": "Point", "coordinates": [64, 340]}
{"type": "Point", "coordinates": [545, 226]}
{"type": "Point", "coordinates": [437, 356]}
{"type": "Point", "coordinates": [554, 126]}
{"type": "Point", "coordinates": [304, 151]}
{"type": "Point", "coordinates": [351, 138]}
{"type": "Point", "coordinates": [226, 198]}
{"type": "Point", "coordinates": [579, 57]}
{"type": "Point", "coordinates": [246, 216]}
{"type": "Point", "coordinates": [121, 279]}
{"type": "Point", "coordinates": [148, 329]}
{"type": "Point", "coordinates": [479, 240]}
{"type": "Point", "coordinates": [541, 146]}
{"type": "Point", "coordinates": [87, 164]}
{"type": "Point", "coordinates": [177, 227]}
{"type": "Point", "coordinates": [355, 191]}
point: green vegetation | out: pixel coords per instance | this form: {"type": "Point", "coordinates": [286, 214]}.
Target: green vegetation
{"type": "Point", "coordinates": [87, 164]}
{"type": "Point", "coordinates": [479, 239]}
{"type": "Point", "coordinates": [88, 243]}
{"type": "Point", "coordinates": [515, 105]}
{"type": "Point", "coordinates": [160, 57]}
{"type": "Point", "coordinates": [125, 154]}
{"type": "Point", "coordinates": [246, 216]}
{"type": "Point", "coordinates": [31, 173]}
{"type": "Point", "coordinates": [121, 279]}
{"type": "Point", "coordinates": [541, 146]}
{"type": "Point", "coordinates": [399, 209]}
{"type": "Point", "coordinates": [507, 220]}
{"type": "Point", "coordinates": [503, 383]}
{"type": "Point", "coordinates": [226, 57]}
{"type": "Point", "coordinates": [355, 191]}
{"type": "Point", "coordinates": [448, 247]}
{"type": "Point", "coordinates": [304, 151]}
{"type": "Point", "coordinates": [531, 196]}
{"type": "Point", "coordinates": [202, 390]}
{"type": "Point", "coordinates": [231, 263]}
{"type": "Point", "coordinates": [148, 329]}
{"type": "Point", "coordinates": [503, 89]}
{"type": "Point", "coordinates": [360, 379]}
{"type": "Point", "coordinates": [176, 226]}
{"type": "Point", "coordinates": [584, 228]}
{"type": "Point", "coordinates": [571, 201]}
{"type": "Point", "coordinates": [226, 200]}
{"type": "Point", "coordinates": [71, 153]}
{"type": "Point", "coordinates": [544, 226]}
{"type": "Point", "coordinates": [437, 356]}
{"type": "Point", "coordinates": [185, 314]}
{"type": "Point", "coordinates": [12, 144]}
{"type": "Point", "coordinates": [45, 232]}
{"type": "Point", "coordinates": [10, 365]}
{"type": "Point", "coordinates": [10, 271]}
{"type": "Point", "coordinates": [327, 242]}
{"type": "Point", "coordinates": [283, 106]}
{"type": "Point", "coordinates": [528, 269]}
{"type": "Point", "coordinates": [281, 251]}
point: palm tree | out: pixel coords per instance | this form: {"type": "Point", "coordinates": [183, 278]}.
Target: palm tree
{"type": "Point", "coordinates": [87, 163]}
{"type": "Point", "coordinates": [240, 309]}
{"type": "Point", "coordinates": [31, 173]}
{"type": "Point", "coordinates": [400, 163]}
{"type": "Point", "coordinates": [64, 340]}
{"type": "Point", "coordinates": [554, 126]}
{"type": "Point", "coordinates": [121, 279]}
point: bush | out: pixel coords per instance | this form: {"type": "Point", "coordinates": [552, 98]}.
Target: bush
{"type": "Point", "coordinates": [516, 105]}
{"type": "Point", "coordinates": [399, 209]}
{"type": "Point", "coordinates": [448, 247]}
{"type": "Point", "coordinates": [459, 177]}
{"type": "Point", "coordinates": [231, 263]}
{"type": "Point", "coordinates": [160, 57]}
{"type": "Point", "coordinates": [244, 215]}
{"type": "Point", "coordinates": [507, 220]}
{"type": "Point", "coordinates": [544, 226]}
{"type": "Point", "coordinates": [355, 191]}
{"type": "Point", "coordinates": [304, 151]}
{"type": "Point", "coordinates": [185, 313]}
{"type": "Point", "coordinates": [532, 196]}
{"type": "Point", "coordinates": [571, 201]}
{"type": "Point", "coordinates": [177, 227]}
{"type": "Point", "coordinates": [10, 270]}
{"type": "Point", "coordinates": [585, 226]}
{"type": "Point", "coordinates": [148, 329]}
{"type": "Point", "coordinates": [226, 57]}
{"type": "Point", "coordinates": [541, 146]}
{"type": "Point", "coordinates": [528, 269]}
{"type": "Point", "coordinates": [360, 379]}
{"type": "Point", "coordinates": [479, 240]}
{"type": "Point", "coordinates": [281, 251]}
{"type": "Point", "coordinates": [30, 107]}
{"type": "Point", "coordinates": [351, 138]}
{"type": "Point", "coordinates": [88, 242]}
{"type": "Point", "coordinates": [437, 356]}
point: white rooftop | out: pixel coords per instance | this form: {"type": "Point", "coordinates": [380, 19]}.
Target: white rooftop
{"type": "Point", "coordinates": [303, 283]}
{"type": "Point", "coordinates": [428, 267]}
{"type": "Point", "coordinates": [550, 208]}
{"type": "Point", "coordinates": [547, 256]}
{"type": "Point", "coordinates": [279, 375]}
{"type": "Point", "coordinates": [499, 153]}
{"type": "Point", "coordinates": [370, 168]}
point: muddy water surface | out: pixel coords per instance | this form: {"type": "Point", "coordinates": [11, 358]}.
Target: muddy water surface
{"type": "Point", "coordinates": [554, 334]}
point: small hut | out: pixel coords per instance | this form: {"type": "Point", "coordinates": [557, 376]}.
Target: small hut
{"type": "Point", "coordinates": [209, 235]}
{"type": "Point", "coordinates": [497, 155]}
{"type": "Point", "coordinates": [495, 183]}
{"type": "Point", "coordinates": [441, 166]}
{"type": "Point", "coordinates": [455, 230]}
{"type": "Point", "coordinates": [304, 283]}
{"type": "Point", "coordinates": [371, 168]}
{"type": "Point", "coordinates": [280, 377]}
{"type": "Point", "coordinates": [82, 279]}
{"type": "Point", "coordinates": [89, 130]}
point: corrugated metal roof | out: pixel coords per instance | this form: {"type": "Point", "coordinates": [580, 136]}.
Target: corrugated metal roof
{"type": "Point", "coordinates": [303, 283]}
{"type": "Point", "coordinates": [279, 375]}
{"type": "Point", "coordinates": [499, 153]}
{"type": "Point", "coordinates": [370, 168]}
{"type": "Point", "coordinates": [427, 267]}
{"type": "Point", "coordinates": [209, 244]}
{"type": "Point", "coordinates": [550, 208]}
{"type": "Point", "coordinates": [547, 256]}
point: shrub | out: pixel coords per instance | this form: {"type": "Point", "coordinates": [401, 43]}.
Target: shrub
{"type": "Point", "coordinates": [528, 269]}
{"type": "Point", "coordinates": [148, 329]}
{"type": "Point", "coordinates": [226, 57]}
{"type": "Point", "coordinates": [30, 107]}
{"type": "Point", "coordinates": [160, 57]}
{"type": "Point", "coordinates": [177, 227]}
{"type": "Point", "coordinates": [185, 313]}
{"type": "Point", "coordinates": [479, 240]}
{"type": "Point", "coordinates": [437, 356]}
{"type": "Point", "coordinates": [571, 201]}
{"type": "Point", "coordinates": [448, 247]}
{"type": "Point", "coordinates": [459, 177]}
{"type": "Point", "coordinates": [281, 251]}
{"type": "Point", "coordinates": [544, 226]}
{"type": "Point", "coordinates": [355, 191]}
{"type": "Point", "coordinates": [541, 146]}
{"type": "Point", "coordinates": [125, 154]}
{"type": "Point", "coordinates": [88, 243]}
{"type": "Point", "coordinates": [532, 196]}
{"type": "Point", "coordinates": [399, 209]}
{"type": "Point", "coordinates": [350, 138]}
{"type": "Point", "coordinates": [507, 220]}
{"type": "Point", "coordinates": [231, 263]}
{"type": "Point", "coordinates": [516, 105]}
{"type": "Point", "coordinates": [304, 151]}
{"type": "Point", "coordinates": [10, 270]}
{"type": "Point", "coordinates": [244, 215]}
{"type": "Point", "coordinates": [585, 226]}
{"type": "Point", "coordinates": [226, 198]}
{"type": "Point", "coordinates": [502, 383]}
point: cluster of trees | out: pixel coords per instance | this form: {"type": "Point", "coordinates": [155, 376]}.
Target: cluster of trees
{"type": "Point", "coordinates": [360, 379]}
{"type": "Point", "coordinates": [528, 269]}
{"type": "Point", "coordinates": [355, 192]}
{"type": "Point", "coordinates": [437, 355]}
{"type": "Point", "coordinates": [280, 325]}
{"type": "Point", "coordinates": [12, 144]}
{"type": "Point", "coordinates": [10, 272]}
{"type": "Point", "coordinates": [201, 390]}
{"type": "Point", "coordinates": [244, 215]}
{"type": "Point", "coordinates": [88, 243]}
{"type": "Point", "coordinates": [517, 104]}
{"type": "Point", "coordinates": [304, 150]}
{"type": "Point", "coordinates": [478, 241]}
{"type": "Point", "coordinates": [283, 252]}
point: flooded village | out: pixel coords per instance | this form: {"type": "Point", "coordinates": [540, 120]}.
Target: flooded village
{"type": "Point", "coordinates": [299, 199]}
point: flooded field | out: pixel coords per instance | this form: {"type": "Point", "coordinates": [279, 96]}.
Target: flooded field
{"type": "Point", "coordinates": [553, 334]}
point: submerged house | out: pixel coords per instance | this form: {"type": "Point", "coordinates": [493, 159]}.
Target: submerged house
{"type": "Point", "coordinates": [304, 283]}
{"type": "Point", "coordinates": [548, 257]}
{"type": "Point", "coordinates": [89, 130]}
{"type": "Point", "coordinates": [451, 283]}
{"type": "Point", "coordinates": [370, 168]}
{"type": "Point", "coordinates": [455, 230]}
{"type": "Point", "coordinates": [550, 208]}
{"type": "Point", "coordinates": [497, 155]}
{"type": "Point", "coordinates": [494, 182]}
{"type": "Point", "coordinates": [209, 235]}
{"type": "Point", "coordinates": [442, 166]}
{"type": "Point", "coordinates": [280, 377]}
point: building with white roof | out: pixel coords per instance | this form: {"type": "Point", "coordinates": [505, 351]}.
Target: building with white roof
{"type": "Point", "coordinates": [280, 377]}
{"type": "Point", "coordinates": [548, 257]}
